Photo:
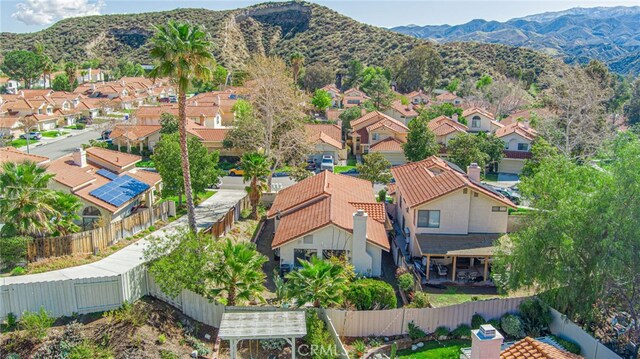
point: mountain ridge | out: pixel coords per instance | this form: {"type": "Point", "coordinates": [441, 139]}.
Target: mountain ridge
{"type": "Point", "coordinates": [608, 34]}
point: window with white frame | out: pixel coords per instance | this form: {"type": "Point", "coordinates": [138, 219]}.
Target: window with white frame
{"type": "Point", "coordinates": [475, 122]}
{"type": "Point", "coordinates": [523, 147]}
{"type": "Point", "coordinates": [498, 209]}
{"type": "Point", "coordinates": [428, 219]}
{"type": "Point", "coordinates": [375, 136]}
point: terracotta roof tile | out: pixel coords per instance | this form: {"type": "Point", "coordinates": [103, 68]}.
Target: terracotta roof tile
{"type": "Point", "coordinates": [519, 128]}
{"type": "Point", "coordinates": [134, 132]}
{"type": "Point", "coordinates": [405, 110]}
{"type": "Point", "coordinates": [325, 133]}
{"type": "Point", "coordinates": [211, 134]}
{"type": "Point", "coordinates": [389, 144]}
{"type": "Point", "coordinates": [443, 125]}
{"type": "Point", "coordinates": [10, 154]}
{"type": "Point", "coordinates": [529, 348]}
{"type": "Point", "coordinates": [116, 158]}
{"type": "Point", "coordinates": [429, 179]}
{"type": "Point", "coordinates": [323, 199]}
{"type": "Point", "coordinates": [446, 96]}
{"type": "Point", "coordinates": [473, 110]}
{"type": "Point", "coordinates": [9, 122]}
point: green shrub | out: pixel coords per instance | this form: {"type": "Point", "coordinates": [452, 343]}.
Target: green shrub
{"type": "Point", "coordinates": [18, 271]}
{"type": "Point", "coordinates": [36, 323]}
{"type": "Point", "coordinates": [382, 196]}
{"type": "Point", "coordinates": [80, 126]}
{"type": "Point", "coordinates": [129, 314]}
{"type": "Point", "coordinates": [570, 346]}
{"type": "Point", "coordinates": [420, 300]}
{"type": "Point", "coordinates": [405, 281]}
{"type": "Point", "coordinates": [359, 347]}
{"type": "Point", "coordinates": [197, 345]}
{"type": "Point", "coordinates": [477, 320]}
{"type": "Point", "coordinates": [495, 323]}
{"type": "Point", "coordinates": [441, 332]}
{"type": "Point", "coordinates": [536, 317]}
{"type": "Point", "coordinates": [162, 339]}
{"type": "Point", "coordinates": [165, 354]}
{"type": "Point", "coordinates": [415, 332]}
{"type": "Point", "coordinates": [89, 350]}
{"type": "Point", "coordinates": [463, 331]}
{"type": "Point", "coordinates": [512, 325]}
{"type": "Point", "coordinates": [12, 322]}
{"type": "Point", "coordinates": [13, 356]}
{"type": "Point", "coordinates": [370, 294]}
{"type": "Point", "coordinates": [318, 335]}
{"type": "Point", "coordinates": [13, 251]}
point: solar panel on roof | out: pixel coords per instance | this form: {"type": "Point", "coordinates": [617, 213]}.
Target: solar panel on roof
{"type": "Point", "coordinates": [107, 174]}
{"type": "Point", "coordinates": [120, 190]}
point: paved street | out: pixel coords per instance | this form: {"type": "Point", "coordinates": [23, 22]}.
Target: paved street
{"type": "Point", "coordinates": [229, 182]}
{"type": "Point", "coordinates": [63, 146]}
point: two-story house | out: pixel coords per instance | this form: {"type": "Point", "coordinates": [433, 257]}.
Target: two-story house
{"type": "Point", "coordinates": [377, 132]}
{"type": "Point", "coordinates": [400, 112]}
{"type": "Point", "coordinates": [353, 97]}
{"type": "Point", "coordinates": [449, 218]}
{"type": "Point", "coordinates": [480, 120]}
{"type": "Point", "coordinates": [326, 140]}
{"type": "Point", "coordinates": [330, 215]}
{"type": "Point", "coordinates": [445, 128]}
{"type": "Point", "coordinates": [418, 98]}
{"type": "Point", "coordinates": [448, 97]}
{"type": "Point", "coordinates": [517, 138]}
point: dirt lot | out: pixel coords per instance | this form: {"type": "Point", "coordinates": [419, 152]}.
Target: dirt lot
{"type": "Point", "coordinates": [147, 329]}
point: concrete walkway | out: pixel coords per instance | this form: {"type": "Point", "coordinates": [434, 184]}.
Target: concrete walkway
{"type": "Point", "coordinates": [207, 213]}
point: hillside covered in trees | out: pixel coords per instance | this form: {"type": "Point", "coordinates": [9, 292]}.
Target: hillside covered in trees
{"type": "Point", "coordinates": [321, 35]}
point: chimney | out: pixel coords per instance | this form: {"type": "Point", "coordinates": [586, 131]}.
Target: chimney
{"type": "Point", "coordinates": [80, 157]}
{"type": "Point", "coordinates": [473, 172]}
{"type": "Point", "coordinates": [202, 119]}
{"type": "Point", "coordinates": [486, 342]}
{"type": "Point", "coordinates": [359, 246]}
{"type": "Point", "coordinates": [455, 117]}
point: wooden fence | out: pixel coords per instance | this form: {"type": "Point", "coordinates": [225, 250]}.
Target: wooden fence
{"type": "Point", "coordinates": [96, 239]}
{"type": "Point", "coordinates": [224, 224]}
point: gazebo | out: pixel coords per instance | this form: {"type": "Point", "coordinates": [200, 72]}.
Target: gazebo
{"type": "Point", "coordinates": [287, 325]}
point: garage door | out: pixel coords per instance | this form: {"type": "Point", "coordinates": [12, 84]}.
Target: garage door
{"type": "Point", "coordinates": [510, 166]}
{"type": "Point", "coordinates": [395, 158]}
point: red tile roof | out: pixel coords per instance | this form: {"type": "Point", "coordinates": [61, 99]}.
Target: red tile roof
{"type": "Point", "coordinates": [443, 125]}
{"type": "Point", "coordinates": [529, 348]}
{"type": "Point", "coordinates": [325, 133]}
{"type": "Point", "coordinates": [211, 134]}
{"type": "Point", "coordinates": [134, 132]}
{"type": "Point", "coordinates": [325, 199]}
{"type": "Point", "coordinates": [473, 110]}
{"type": "Point", "coordinates": [116, 158]}
{"type": "Point", "coordinates": [389, 144]}
{"type": "Point", "coordinates": [519, 128]}
{"type": "Point", "coordinates": [10, 154]}
{"type": "Point", "coordinates": [446, 96]}
{"type": "Point", "coordinates": [404, 110]}
{"type": "Point", "coordinates": [429, 179]}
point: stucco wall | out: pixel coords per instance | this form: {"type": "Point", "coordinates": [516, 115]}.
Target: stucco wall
{"type": "Point", "coordinates": [485, 123]}
{"type": "Point", "coordinates": [482, 219]}
{"type": "Point", "coordinates": [513, 139]}
{"type": "Point", "coordinates": [332, 237]}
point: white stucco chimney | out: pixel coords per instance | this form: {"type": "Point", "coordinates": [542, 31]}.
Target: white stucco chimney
{"type": "Point", "coordinates": [361, 261]}
{"type": "Point", "coordinates": [455, 117]}
{"type": "Point", "coordinates": [80, 157]}
{"type": "Point", "coordinates": [473, 172]}
{"type": "Point", "coordinates": [486, 342]}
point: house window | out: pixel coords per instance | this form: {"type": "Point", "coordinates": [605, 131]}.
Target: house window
{"type": "Point", "coordinates": [475, 194]}
{"type": "Point", "coordinates": [464, 191]}
{"type": "Point", "coordinates": [475, 122]}
{"type": "Point", "coordinates": [307, 239]}
{"type": "Point", "coordinates": [375, 136]}
{"type": "Point", "coordinates": [429, 219]}
{"type": "Point", "coordinates": [353, 102]}
{"type": "Point", "coordinates": [498, 209]}
{"type": "Point", "coordinates": [523, 147]}
{"type": "Point", "coordinates": [303, 254]}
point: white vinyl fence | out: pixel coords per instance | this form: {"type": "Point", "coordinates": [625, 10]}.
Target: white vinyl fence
{"type": "Point", "coordinates": [394, 321]}
{"type": "Point", "coordinates": [591, 347]}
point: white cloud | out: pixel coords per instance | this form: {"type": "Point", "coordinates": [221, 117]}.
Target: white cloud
{"type": "Point", "coordinates": [45, 12]}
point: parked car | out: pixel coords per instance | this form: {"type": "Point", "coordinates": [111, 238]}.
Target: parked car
{"type": "Point", "coordinates": [510, 194]}
{"type": "Point", "coordinates": [327, 163]}
{"type": "Point", "coordinates": [311, 165]}
{"type": "Point", "coordinates": [351, 172]}
{"type": "Point", "coordinates": [33, 135]}
{"type": "Point", "coordinates": [106, 134]}
{"type": "Point", "coordinates": [236, 172]}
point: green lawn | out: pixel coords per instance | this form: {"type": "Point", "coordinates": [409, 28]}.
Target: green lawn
{"type": "Point", "coordinates": [448, 349]}
{"type": "Point", "coordinates": [201, 197]}
{"type": "Point", "coordinates": [54, 133]}
{"type": "Point", "coordinates": [445, 299]}
{"type": "Point", "coordinates": [21, 142]}
{"type": "Point", "coordinates": [519, 211]}
{"type": "Point", "coordinates": [340, 169]}
{"type": "Point", "coordinates": [76, 127]}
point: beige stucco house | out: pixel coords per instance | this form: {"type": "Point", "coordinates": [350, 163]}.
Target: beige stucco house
{"type": "Point", "coordinates": [517, 138]}
{"type": "Point", "coordinates": [445, 129]}
{"type": "Point", "coordinates": [330, 215]}
{"type": "Point", "coordinates": [326, 140]}
{"type": "Point", "coordinates": [448, 216]}
{"type": "Point", "coordinates": [400, 112]}
{"type": "Point", "coordinates": [480, 120]}
{"type": "Point", "coordinates": [377, 132]}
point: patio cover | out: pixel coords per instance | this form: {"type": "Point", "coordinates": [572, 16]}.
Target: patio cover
{"type": "Point", "coordinates": [471, 245]}
{"type": "Point", "coordinates": [286, 325]}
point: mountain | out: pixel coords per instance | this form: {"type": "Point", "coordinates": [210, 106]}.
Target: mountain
{"type": "Point", "coordinates": [320, 34]}
{"type": "Point", "coordinates": [609, 34]}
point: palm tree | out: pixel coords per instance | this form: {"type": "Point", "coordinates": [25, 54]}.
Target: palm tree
{"type": "Point", "coordinates": [296, 65]}
{"type": "Point", "coordinates": [28, 207]}
{"type": "Point", "coordinates": [320, 282]}
{"type": "Point", "coordinates": [70, 69]}
{"type": "Point", "coordinates": [237, 272]}
{"type": "Point", "coordinates": [47, 64]}
{"type": "Point", "coordinates": [183, 53]}
{"type": "Point", "coordinates": [255, 168]}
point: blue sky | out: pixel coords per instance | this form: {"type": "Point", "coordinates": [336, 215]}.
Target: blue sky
{"type": "Point", "coordinates": [34, 15]}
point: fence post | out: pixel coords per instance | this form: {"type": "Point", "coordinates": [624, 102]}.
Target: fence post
{"type": "Point", "coordinates": [93, 242]}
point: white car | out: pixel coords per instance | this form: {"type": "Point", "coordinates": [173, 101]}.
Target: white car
{"type": "Point", "coordinates": [327, 163]}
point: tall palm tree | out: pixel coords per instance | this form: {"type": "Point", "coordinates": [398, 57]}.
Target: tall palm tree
{"type": "Point", "coordinates": [256, 169]}
{"type": "Point", "coordinates": [296, 65]}
{"type": "Point", "coordinates": [237, 272]}
{"type": "Point", "coordinates": [47, 64]}
{"type": "Point", "coordinates": [70, 69]}
{"type": "Point", "coordinates": [318, 281]}
{"type": "Point", "coordinates": [28, 207]}
{"type": "Point", "coordinates": [183, 53]}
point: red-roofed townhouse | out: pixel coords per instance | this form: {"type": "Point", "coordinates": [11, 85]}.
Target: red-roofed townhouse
{"type": "Point", "coordinates": [449, 218]}
{"type": "Point", "coordinates": [517, 138]}
{"type": "Point", "coordinates": [327, 140]}
{"type": "Point", "coordinates": [377, 132]}
{"type": "Point", "coordinates": [448, 97]}
{"type": "Point", "coordinates": [330, 215]}
{"type": "Point", "coordinates": [480, 120]}
{"type": "Point", "coordinates": [402, 113]}
{"type": "Point", "coordinates": [353, 97]}
{"type": "Point", "coordinates": [445, 129]}
{"type": "Point", "coordinates": [418, 98]}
